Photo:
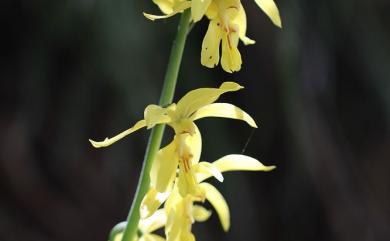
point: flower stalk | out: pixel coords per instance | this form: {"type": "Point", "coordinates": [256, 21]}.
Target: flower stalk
{"type": "Point", "coordinates": [157, 132]}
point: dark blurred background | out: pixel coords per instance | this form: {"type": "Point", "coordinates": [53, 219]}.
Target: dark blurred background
{"type": "Point", "coordinates": [319, 89]}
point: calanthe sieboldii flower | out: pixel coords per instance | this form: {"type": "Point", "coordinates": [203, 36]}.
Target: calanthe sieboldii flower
{"type": "Point", "coordinates": [182, 212]}
{"type": "Point", "coordinates": [185, 149]}
{"type": "Point", "coordinates": [200, 7]}
{"type": "Point", "coordinates": [227, 25]}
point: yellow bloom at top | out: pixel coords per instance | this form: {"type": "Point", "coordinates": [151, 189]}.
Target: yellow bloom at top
{"type": "Point", "coordinates": [227, 25]}
{"type": "Point", "coordinates": [200, 7]}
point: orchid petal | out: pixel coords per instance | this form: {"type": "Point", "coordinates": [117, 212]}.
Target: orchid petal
{"type": "Point", "coordinates": [231, 58]}
{"type": "Point", "coordinates": [210, 46]}
{"type": "Point", "coordinates": [269, 7]}
{"type": "Point", "coordinates": [235, 162]}
{"type": "Point", "coordinates": [164, 168]}
{"type": "Point", "coordinates": [110, 141]}
{"type": "Point", "coordinates": [219, 203]}
{"type": "Point", "coordinates": [224, 110]}
{"type": "Point", "coordinates": [240, 21]}
{"type": "Point", "coordinates": [198, 98]}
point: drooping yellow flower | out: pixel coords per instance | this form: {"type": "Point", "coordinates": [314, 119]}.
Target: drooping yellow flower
{"type": "Point", "coordinates": [184, 151]}
{"type": "Point", "coordinates": [227, 25]}
{"type": "Point", "coordinates": [202, 171]}
{"type": "Point", "coordinates": [232, 162]}
{"type": "Point", "coordinates": [182, 212]}
{"type": "Point", "coordinates": [200, 7]}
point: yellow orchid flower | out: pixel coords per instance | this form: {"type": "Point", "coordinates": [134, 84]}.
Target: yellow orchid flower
{"type": "Point", "coordinates": [227, 25]}
{"type": "Point", "coordinates": [185, 111]}
{"type": "Point", "coordinates": [232, 162]}
{"type": "Point", "coordinates": [182, 212]}
{"type": "Point", "coordinates": [146, 227]}
{"type": "Point", "coordinates": [200, 7]}
{"type": "Point", "coordinates": [184, 151]}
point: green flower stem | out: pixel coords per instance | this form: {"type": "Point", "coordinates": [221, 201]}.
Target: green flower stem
{"type": "Point", "coordinates": [156, 135]}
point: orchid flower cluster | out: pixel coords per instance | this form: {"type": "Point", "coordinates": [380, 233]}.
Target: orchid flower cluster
{"type": "Point", "coordinates": [172, 190]}
{"type": "Point", "coordinates": [177, 177]}
{"type": "Point", "coordinates": [227, 26]}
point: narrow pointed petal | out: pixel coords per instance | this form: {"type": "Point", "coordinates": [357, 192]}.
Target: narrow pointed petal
{"type": "Point", "coordinates": [240, 21]}
{"type": "Point", "coordinates": [209, 56]}
{"type": "Point", "coordinates": [235, 162]}
{"type": "Point", "coordinates": [199, 8]}
{"type": "Point", "coordinates": [224, 110]}
{"type": "Point", "coordinates": [219, 203]}
{"type": "Point", "coordinates": [177, 9]}
{"type": "Point", "coordinates": [200, 213]}
{"type": "Point", "coordinates": [157, 17]}
{"type": "Point", "coordinates": [198, 98]}
{"type": "Point", "coordinates": [209, 169]}
{"type": "Point", "coordinates": [164, 168]}
{"type": "Point", "coordinates": [108, 141]}
{"type": "Point", "coordinates": [151, 202]}
{"type": "Point", "coordinates": [154, 222]}
{"type": "Point", "coordinates": [269, 7]}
